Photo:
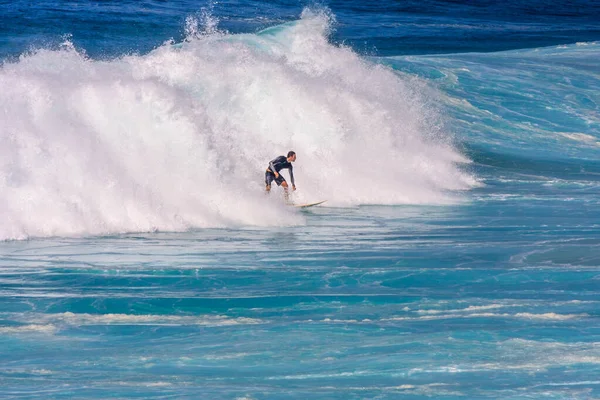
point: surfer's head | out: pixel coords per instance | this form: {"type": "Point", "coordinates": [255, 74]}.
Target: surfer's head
{"type": "Point", "coordinates": [291, 156]}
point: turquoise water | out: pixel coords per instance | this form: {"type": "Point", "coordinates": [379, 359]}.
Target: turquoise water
{"type": "Point", "coordinates": [457, 255]}
{"type": "Point", "coordinates": [358, 303]}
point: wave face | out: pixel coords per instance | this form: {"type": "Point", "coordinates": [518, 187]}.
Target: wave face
{"type": "Point", "coordinates": [529, 121]}
{"type": "Point", "coordinates": [181, 137]}
{"type": "Point", "coordinates": [540, 102]}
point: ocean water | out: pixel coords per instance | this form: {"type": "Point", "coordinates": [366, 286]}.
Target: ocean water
{"type": "Point", "coordinates": [456, 143]}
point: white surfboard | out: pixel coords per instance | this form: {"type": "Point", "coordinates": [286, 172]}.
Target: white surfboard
{"type": "Point", "coordinates": [309, 204]}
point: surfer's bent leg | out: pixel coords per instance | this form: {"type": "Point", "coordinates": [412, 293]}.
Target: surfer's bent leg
{"type": "Point", "coordinates": [280, 181]}
{"type": "Point", "coordinates": [269, 177]}
{"type": "Point", "coordinates": [286, 193]}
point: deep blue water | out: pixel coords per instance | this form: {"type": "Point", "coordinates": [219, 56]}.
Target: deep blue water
{"type": "Point", "coordinates": [111, 28]}
{"type": "Point", "coordinates": [457, 256]}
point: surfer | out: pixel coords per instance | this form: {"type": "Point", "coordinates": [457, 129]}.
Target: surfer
{"type": "Point", "coordinates": [276, 165]}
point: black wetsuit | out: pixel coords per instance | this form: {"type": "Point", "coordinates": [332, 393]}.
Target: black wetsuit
{"type": "Point", "coordinates": [277, 165]}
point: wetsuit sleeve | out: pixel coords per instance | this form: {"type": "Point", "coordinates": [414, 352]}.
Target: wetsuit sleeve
{"type": "Point", "coordinates": [272, 165]}
{"type": "Point", "coordinates": [292, 175]}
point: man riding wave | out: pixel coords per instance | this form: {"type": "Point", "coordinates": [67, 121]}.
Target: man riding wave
{"type": "Point", "coordinates": [276, 165]}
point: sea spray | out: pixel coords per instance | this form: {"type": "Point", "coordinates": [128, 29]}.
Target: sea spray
{"type": "Point", "coordinates": [180, 137]}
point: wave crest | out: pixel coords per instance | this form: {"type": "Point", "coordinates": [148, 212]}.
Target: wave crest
{"type": "Point", "coordinates": [180, 137]}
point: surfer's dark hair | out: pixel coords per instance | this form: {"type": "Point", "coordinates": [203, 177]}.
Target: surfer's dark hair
{"type": "Point", "coordinates": [291, 153]}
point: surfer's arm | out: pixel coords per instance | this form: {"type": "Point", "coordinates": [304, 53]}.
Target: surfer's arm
{"type": "Point", "coordinates": [272, 167]}
{"type": "Point", "coordinates": [292, 177]}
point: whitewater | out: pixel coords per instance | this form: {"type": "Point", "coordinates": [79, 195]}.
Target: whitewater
{"type": "Point", "coordinates": [179, 138]}
{"type": "Point", "coordinates": [457, 255]}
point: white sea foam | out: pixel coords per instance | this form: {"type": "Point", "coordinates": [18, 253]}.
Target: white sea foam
{"type": "Point", "coordinates": [468, 309]}
{"type": "Point", "coordinates": [210, 320]}
{"type": "Point", "coordinates": [581, 137]}
{"type": "Point", "coordinates": [34, 371]}
{"type": "Point", "coordinates": [229, 356]}
{"type": "Point", "coordinates": [158, 384]}
{"type": "Point", "coordinates": [30, 328]}
{"type": "Point", "coordinates": [79, 319]}
{"type": "Point", "coordinates": [451, 315]}
{"type": "Point", "coordinates": [181, 137]}
{"type": "Point", "coordinates": [540, 354]}
{"type": "Point", "coordinates": [550, 316]}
